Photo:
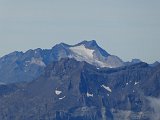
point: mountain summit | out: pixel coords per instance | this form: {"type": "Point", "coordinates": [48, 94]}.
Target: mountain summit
{"type": "Point", "coordinates": [68, 83]}
{"type": "Point", "coordinates": [88, 51]}
{"type": "Point", "coordinates": [19, 66]}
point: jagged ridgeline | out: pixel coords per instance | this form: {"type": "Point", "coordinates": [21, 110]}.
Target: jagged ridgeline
{"type": "Point", "coordinates": [19, 66]}
{"type": "Point", "coordinates": [75, 87]}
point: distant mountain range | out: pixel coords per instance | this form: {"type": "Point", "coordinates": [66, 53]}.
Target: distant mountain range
{"type": "Point", "coordinates": [19, 66]}
{"type": "Point", "coordinates": [72, 90]}
{"type": "Point", "coordinates": [77, 82]}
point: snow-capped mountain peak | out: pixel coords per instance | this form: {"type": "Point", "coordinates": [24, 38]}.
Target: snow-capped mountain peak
{"type": "Point", "coordinates": [90, 43]}
{"type": "Point", "coordinates": [90, 52]}
{"type": "Point", "coordinates": [33, 62]}
{"type": "Point", "coordinates": [82, 51]}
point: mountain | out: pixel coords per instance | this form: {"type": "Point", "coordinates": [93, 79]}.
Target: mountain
{"type": "Point", "coordinates": [155, 64]}
{"type": "Point", "coordinates": [19, 66]}
{"type": "Point", "coordinates": [134, 61]}
{"type": "Point", "coordinates": [75, 90]}
{"type": "Point", "coordinates": [90, 52]}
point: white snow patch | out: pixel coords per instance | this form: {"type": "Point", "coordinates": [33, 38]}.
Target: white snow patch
{"type": "Point", "coordinates": [136, 83]}
{"type": "Point", "coordinates": [126, 83]}
{"type": "Point", "coordinates": [89, 95]}
{"type": "Point", "coordinates": [62, 98]}
{"type": "Point", "coordinates": [99, 63]}
{"type": "Point", "coordinates": [107, 88]}
{"type": "Point", "coordinates": [82, 51]}
{"type": "Point", "coordinates": [70, 56]}
{"type": "Point", "coordinates": [98, 68]}
{"type": "Point", "coordinates": [58, 92]}
{"type": "Point", "coordinates": [37, 61]}
{"type": "Point", "coordinates": [27, 61]}
{"type": "Point", "coordinates": [1, 83]}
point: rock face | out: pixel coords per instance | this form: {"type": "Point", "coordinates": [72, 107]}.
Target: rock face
{"type": "Point", "coordinates": [93, 54]}
{"type": "Point", "coordinates": [19, 66]}
{"type": "Point", "coordinates": [73, 90]}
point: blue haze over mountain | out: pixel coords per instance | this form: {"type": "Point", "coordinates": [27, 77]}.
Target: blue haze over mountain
{"type": "Point", "coordinates": [76, 90]}
{"type": "Point", "coordinates": [77, 82]}
{"type": "Point", "coordinates": [19, 66]}
{"type": "Point", "coordinates": [127, 28]}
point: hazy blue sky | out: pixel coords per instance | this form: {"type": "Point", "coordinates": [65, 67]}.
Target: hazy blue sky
{"type": "Point", "coordinates": [126, 28]}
